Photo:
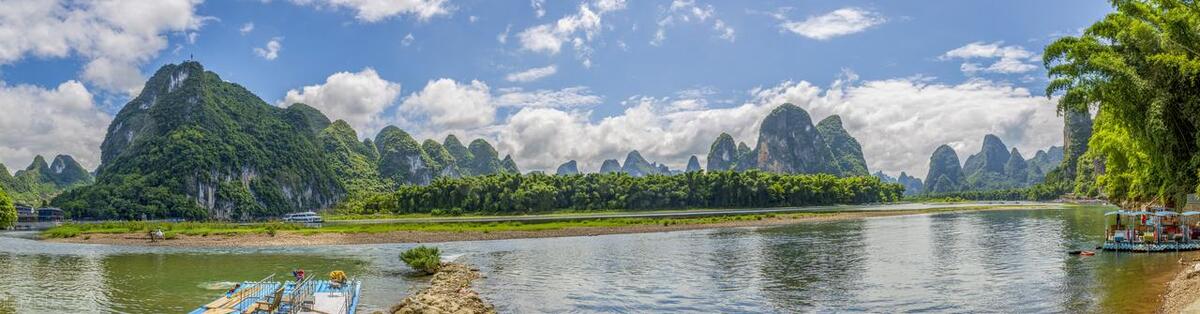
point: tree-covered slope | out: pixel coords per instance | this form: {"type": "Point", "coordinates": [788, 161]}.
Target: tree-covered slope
{"type": "Point", "coordinates": [945, 172]}
{"type": "Point", "coordinates": [401, 159]}
{"type": "Point", "coordinates": [40, 182]}
{"type": "Point", "coordinates": [193, 145]}
{"type": "Point", "coordinates": [847, 152]}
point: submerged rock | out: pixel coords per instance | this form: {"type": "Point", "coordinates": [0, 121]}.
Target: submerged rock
{"type": "Point", "coordinates": [449, 292]}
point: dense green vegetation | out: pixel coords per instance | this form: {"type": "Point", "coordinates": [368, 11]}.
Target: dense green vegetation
{"type": "Point", "coordinates": [427, 259]}
{"type": "Point", "coordinates": [537, 193]}
{"type": "Point", "coordinates": [847, 152]}
{"type": "Point", "coordinates": [1140, 68]}
{"type": "Point", "coordinates": [40, 182]}
{"type": "Point", "coordinates": [8, 212]}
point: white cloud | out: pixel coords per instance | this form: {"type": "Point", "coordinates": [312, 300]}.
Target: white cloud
{"type": "Point", "coordinates": [408, 40]}
{"type": "Point", "coordinates": [473, 18]}
{"type": "Point", "coordinates": [359, 98]}
{"type": "Point", "coordinates": [531, 75]}
{"type": "Point", "coordinates": [687, 11]}
{"type": "Point", "coordinates": [840, 22]}
{"type": "Point", "coordinates": [567, 97]}
{"type": "Point", "coordinates": [449, 104]}
{"type": "Point", "coordinates": [539, 7]}
{"type": "Point", "coordinates": [578, 29]}
{"type": "Point", "coordinates": [48, 122]}
{"type": "Point", "coordinates": [271, 50]}
{"type": "Point", "coordinates": [503, 37]}
{"type": "Point", "coordinates": [371, 11]}
{"type": "Point", "coordinates": [113, 37]}
{"type": "Point", "coordinates": [900, 122]}
{"type": "Point", "coordinates": [1009, 59]}
{"type": "Point", "coordinates": [246, 28]}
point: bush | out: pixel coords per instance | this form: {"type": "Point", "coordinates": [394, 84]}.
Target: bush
{"type": "Point", "coordinates": [423, 258]}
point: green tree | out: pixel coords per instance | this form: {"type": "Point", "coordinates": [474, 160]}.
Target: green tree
{"type": "Point", "coordinates": [1140, 67]}
{"type": "Point", "coordinates": [8, 212]}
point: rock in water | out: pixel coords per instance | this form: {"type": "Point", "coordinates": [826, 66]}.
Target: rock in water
{"type": "Point", "coordinates": [789, 143]}
{"type": "Point", "coordinates": [567, 168]}
{"type": "Point", "coordinates": [693, 164]}
{"type": "Point", "coordinates": [449, 292]}
{"type": "Point", "coordinates": [945, 173]}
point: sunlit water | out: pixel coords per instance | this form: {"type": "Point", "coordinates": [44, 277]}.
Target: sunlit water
{"type": "Point", "coordinates": [997, 261]}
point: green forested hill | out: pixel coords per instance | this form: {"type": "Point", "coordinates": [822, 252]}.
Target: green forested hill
{"type": "Point", "coordinates": [192, 145]}
{"type": "Point", "coordinates": [40, 182]}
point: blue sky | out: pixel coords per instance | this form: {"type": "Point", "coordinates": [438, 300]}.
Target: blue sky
{"type": "Point", "coordinates": [549, 81]}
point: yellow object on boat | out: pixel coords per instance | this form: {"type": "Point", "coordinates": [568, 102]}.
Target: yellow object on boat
{"type": "Point", "coordinates": [337, 276]}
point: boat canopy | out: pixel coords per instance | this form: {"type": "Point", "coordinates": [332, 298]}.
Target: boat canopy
{"type": "Point", "coordinates": [1191, 213]}
{"type": "Point", "coordinates": [1133, 213]}
{"type": "Point", "coordinates": [1166, 213]}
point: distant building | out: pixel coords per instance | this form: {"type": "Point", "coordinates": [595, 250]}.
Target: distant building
{"type": "Point", "coordinates": [49, 214]}
{"type": "Point", "coordinates": [26, 214]}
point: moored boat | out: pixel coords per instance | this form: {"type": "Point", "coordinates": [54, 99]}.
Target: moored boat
{"type": "Point", "coordinates": [1159, 230]}
{"type": "Point", "coordinates": [336, 296]}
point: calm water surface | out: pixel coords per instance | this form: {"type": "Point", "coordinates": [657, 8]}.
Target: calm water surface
{"type": "Point", "coordinates": [996, 261]}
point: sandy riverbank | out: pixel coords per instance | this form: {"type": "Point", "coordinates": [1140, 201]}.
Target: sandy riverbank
{"type": "Point", "coordinates": [296, 239]}
{"type": "Point", "coordinates": [1183, 292]}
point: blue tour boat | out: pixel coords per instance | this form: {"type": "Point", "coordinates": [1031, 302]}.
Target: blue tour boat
{"type": "Point", "coordinates": [307, 296]}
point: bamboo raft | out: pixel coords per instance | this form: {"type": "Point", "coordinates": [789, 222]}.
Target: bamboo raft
{"type": "Point", "coordinates": [268, 297]}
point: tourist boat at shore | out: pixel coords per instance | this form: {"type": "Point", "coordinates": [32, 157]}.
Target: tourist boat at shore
{"type": "Point", "coordinates": [1158, 230]}
{"type": "Point", "coordinates": [291, 297]}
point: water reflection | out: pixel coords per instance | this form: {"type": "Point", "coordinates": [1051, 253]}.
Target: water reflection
{"type": "Point", "coordinates": [957, 262]}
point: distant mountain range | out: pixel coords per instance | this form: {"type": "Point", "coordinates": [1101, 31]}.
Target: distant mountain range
{"type": "Point", "coordinates": [193, 145]}
{"type": "Point", "coordinates": [40, 182]}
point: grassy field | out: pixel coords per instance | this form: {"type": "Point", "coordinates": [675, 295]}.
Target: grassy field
{"type": "Point", "coordinates": [174, 229]}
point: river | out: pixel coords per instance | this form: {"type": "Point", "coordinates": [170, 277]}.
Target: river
{"type": "Point", "coordinates": [1007, 261]}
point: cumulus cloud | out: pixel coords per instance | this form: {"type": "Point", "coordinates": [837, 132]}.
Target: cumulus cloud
{"type": "Point", "coordinates": [840, 22]}
{"type": "Point", "coordinates": [531, 75]}
{"type": "Point", "coordinates": [246, 28]}
{"type": "Point", "coordinates": [113, 37]}
{"type": "Point", "coordinates": [567, 97]}
{"type": "Point", "coordinates": [359, 98]}
{"type": "Point", "coordinates": [687, 11]}
{"type": "Point", "coordinates": [371, 11]}
{"type": "Point", "coordinates": [899, 123]}
{"type": "Point", "coordinates": [450, 104]}
{"type": "Point", "coordinates": [271, 50]}
{"type": "Point", "coordinates": [578, 29]}
{"type": "Point", "coordinates": [1010, 59]}
{"type": "Point", "coordinates": [48, 122]}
